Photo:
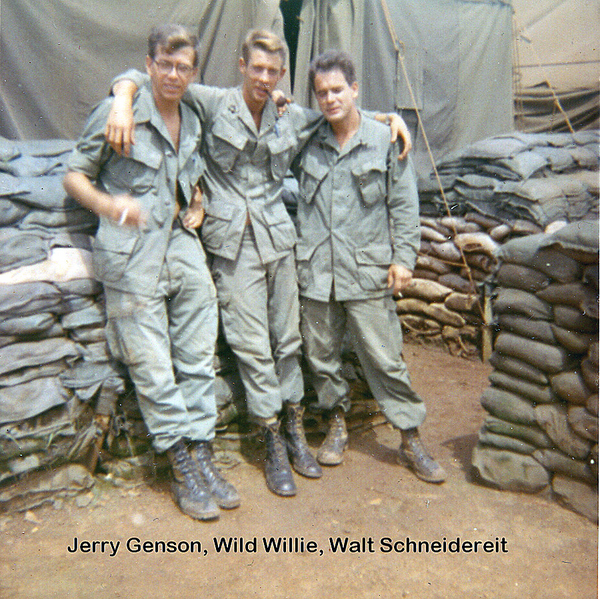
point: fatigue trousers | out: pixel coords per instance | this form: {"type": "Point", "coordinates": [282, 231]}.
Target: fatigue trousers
{"type": "Point", "coordinates": [260, 315]}
{"type": "Point", "coordinates": [168, 342]}
{"type": "Point", "coordinates": [374, 329]}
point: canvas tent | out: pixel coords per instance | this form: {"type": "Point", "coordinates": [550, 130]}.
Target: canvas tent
{"type": "Point", "coordinates": [557, 57]}
{"type": "Point", "coordinates": [59, 55]}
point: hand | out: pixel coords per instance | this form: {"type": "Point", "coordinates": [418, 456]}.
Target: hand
{"type": "Point", "coordinates": [398, 128]}
{"type": "Point", "coordinates": [120, 126]}
{"type": "Point", "coordinates": [281, 101]}
{"type": "Point", "coordinates": [194, 215]}
{"type": "Point", "coordinates": [126, 211]}
{"type": "Point", "coordinates": [398, 278]}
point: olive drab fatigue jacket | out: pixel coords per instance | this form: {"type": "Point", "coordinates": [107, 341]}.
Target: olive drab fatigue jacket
{"type": "Point", "coordinates": [245, 167]}
{"type": "Point", "coordinates": [358, 213]}
{"type": "Point", "coordinates": [130, 258]}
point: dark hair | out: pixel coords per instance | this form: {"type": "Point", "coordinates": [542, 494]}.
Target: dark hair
{"type": "Point", "coordinates": [170, 38]}
{"type": "Point", "coordinates": [263, 40]}
{"type": "Point", "coordinates": [332, 60]}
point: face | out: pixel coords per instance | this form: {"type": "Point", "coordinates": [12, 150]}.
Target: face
{"type": "Point", "coordinates": [261, 75]}
{"type": "Point", "coordinates": [335, 97]}
{"type": "Point", "coordinates": [171, 73]}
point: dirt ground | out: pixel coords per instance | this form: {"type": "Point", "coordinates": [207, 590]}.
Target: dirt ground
{"type": "Point", "coordinates": [536, 547]}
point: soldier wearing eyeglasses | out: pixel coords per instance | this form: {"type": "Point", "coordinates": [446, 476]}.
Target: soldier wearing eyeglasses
{"type": "Point", "coordinates": [161, 302]}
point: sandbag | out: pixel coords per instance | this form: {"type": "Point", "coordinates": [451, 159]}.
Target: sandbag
{"type": "Point", "coordinates": [589, 372]}
{"type": "Point", "coordinates": [569, 294]}
{"type": "Point", "coordinates": [570, 387]}
{"type": "Point", "coordinates": [583, 423]}
{"type": "Point", "coordinates": [509, 470]}
{"type": "Point", "coordinates": [518, 368]}
{"type": "Point", "coordinates": [531, 391]}
{"type": "Point", "coordinates": [573, 341]}
{"type": "Point", "coordinates": [505, 442]}
{"type": "Point", "coordinates": [558, 462]}
{"type": "Point", "coordinates": [432, 263]}
{"type": "Point", "coordinates": [516, 301]}
{"type": "Point", "coordinates": [461, 302]}
{"type": "Point", "coordinates": [457, 283]}
{"type": "Point", "coordinates": [553, 420]}
{"type": "Point", "coordinates": [522, 277]}
{"type": "Point", "coordinates": [440, 313]}
{"type": "Point", "coordinates": [530, 434]}
{"type": "Point", "coordinates": [508, 406]}
{"type": "Point", "coordinates": [425, 290]}
{"type": "Point", "coordinates": [539, 330]}
{"type": "Point", "coordinates": [572, 319]}
{"type": "Point", "coordinates": [548, 358]}
{"type": "Point", "coordinates": [577, 495]}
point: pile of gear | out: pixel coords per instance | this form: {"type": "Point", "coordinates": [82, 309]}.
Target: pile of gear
{"type": "Point", "coordinates": [541, 432]}
{"type": "Point", "coordinates": [495, 190]}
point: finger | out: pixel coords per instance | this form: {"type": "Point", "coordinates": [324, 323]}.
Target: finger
{"type": "Point", "coordinates": [404, 153]}
{"type": "Point", "coordinates": [390, 280]}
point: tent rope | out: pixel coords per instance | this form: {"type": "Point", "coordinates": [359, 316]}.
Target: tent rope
{"type": "Point", "coordinates": [398, 45]}
{"type": "Point", "coordinates": [521, 35]}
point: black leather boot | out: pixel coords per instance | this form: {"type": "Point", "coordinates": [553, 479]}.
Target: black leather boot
{"type": "Point", "coordinates": [190, 491]}
{"type": "Point", "coordinates": [277, 466]}
{"type": "Point", "coordinates": [331, 452]}
{"type": "Point", "coordinates": [419, 461]}
{"type": "Point", "coordinates": [224, 492]}
{"type": "Point", "coordinates": [303, 461]}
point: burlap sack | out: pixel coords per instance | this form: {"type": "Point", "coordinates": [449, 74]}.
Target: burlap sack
{"type": "Point", "coordinates": [533, 435]}
{"type": "Point", "coordinates": [526, 389]}
{"type": "Point", "coordinates": [573, 341]}
{"type": "Point", "coordinates": [428, 291]}
{"type": "Point", "coordinates": [583, 423]}
{"type": "Point", "coordinates": [577, 495]}
{"type": "Point", "coordinates": [517, 301]}
{"type": "Point", "coordinates": [553, 420]}
{"type": "Point", "coordinates": [559, 463]}
{"type": "Point", "coordinates": [539, 330]}
{"type": "Point", "coordinates": [508, 406]}
{"type": "Point", "coordinates": [509, 470]}
{"type": "Point", "coordinates": [548, 358]}
{"type": "Point", "coordinates": [570, 387]}
{"type": "Point", "coordinates": [522, 277]}
{"type": "Point", "coordinates": [572, 319]}
{"type": "Point", "coordinates": [518, 368]}
{"type": "Point", "coordinates": [505, 442]}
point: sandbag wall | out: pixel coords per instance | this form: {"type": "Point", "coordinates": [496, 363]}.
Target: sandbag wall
{"type": "Point", "coordinates": [495, 190]}
{"type": "Point", "coordinates": [56, 374]}
{"type": "Point", "coordinates": [541, 432]}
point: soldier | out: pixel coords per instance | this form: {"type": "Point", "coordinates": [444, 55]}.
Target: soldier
{"type": "Point", "coordinates": [248, 149]}
{"type": "Point", "coordinates": [161, 302]}
{"type": "Point", "coordinates": [358, 235]}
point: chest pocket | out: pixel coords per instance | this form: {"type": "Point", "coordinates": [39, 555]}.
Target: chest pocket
{"type": "Point", "coordinates": [312, 172]}
{"type": "Point", "coordinates": [136, 174]}
{"type": "Point", "coordinates": [370, 178]}
{"type": "Point", "coordinates": [225, 143]}
{"type": "Point", "coordinates": [281, 151]}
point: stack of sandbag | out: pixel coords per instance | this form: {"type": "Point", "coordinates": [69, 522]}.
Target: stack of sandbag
{"type": "Point", "coordinates": [536, 177]}
{"type": "Point", "coordinates": [56, 373]}
{"type": "Point", "coordinates": [542, 425]}
{"type": "Point", "coordinates": [498, 189]}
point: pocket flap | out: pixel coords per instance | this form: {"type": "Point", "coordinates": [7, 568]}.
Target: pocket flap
{"type": "Point", "coordinates": [375, 254]}
{"type": "Point", "coordinates": [228, 133]}
{"type": "Point", "coordinates": [221, 210]}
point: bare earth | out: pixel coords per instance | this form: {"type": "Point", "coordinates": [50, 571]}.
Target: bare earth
{"type": "Point", "coordinates": [548, 551]}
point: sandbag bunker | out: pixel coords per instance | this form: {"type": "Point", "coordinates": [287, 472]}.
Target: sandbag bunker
{"type": "Point", "coordinates": [66, 405]}
{"type": "Point", "coordinates": [495, 190]}
{"type": "Point", "coordinates": [541, 432]}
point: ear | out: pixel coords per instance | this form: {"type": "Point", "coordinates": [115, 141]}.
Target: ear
{"type": "Point", "coordinates": [149, 62]}
{"type": "Point", "coordinates": [242, 65]}
{"type": "Point", "coordinates": [354, 88]}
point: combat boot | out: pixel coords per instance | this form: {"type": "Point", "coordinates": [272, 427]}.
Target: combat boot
{"type": "Point", "coordinates": [331, 452]}
{"type": "Point", "coordinates": [190, 491]}
{"type": "Point", "coordinates": [224, 493]}
{"type": "Point", "coordinates": [303, 461]}
{"type": "Point", "coordinates": [277, 466]}
{"type": "Point", "coordinates": [418, 460]}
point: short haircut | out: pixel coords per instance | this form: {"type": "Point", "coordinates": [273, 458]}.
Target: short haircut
{"type": "Point", "coordinates": [261, 39]}
{"type": "Point", "coordinates": [170, 38]}
{"type": "Point", "coordinates": [332, 60]}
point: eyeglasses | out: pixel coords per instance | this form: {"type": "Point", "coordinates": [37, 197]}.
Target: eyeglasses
{"type": "Point", "coordinates": [165, 68]}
